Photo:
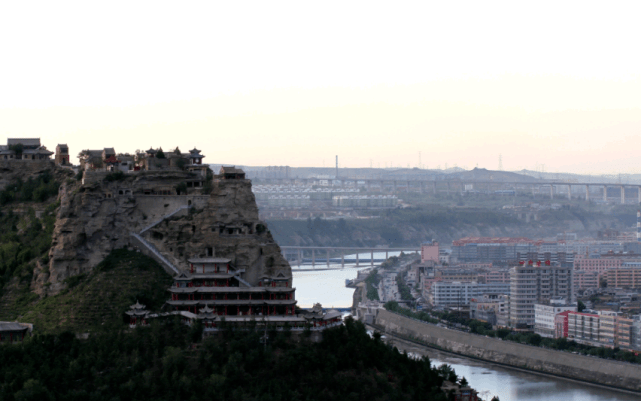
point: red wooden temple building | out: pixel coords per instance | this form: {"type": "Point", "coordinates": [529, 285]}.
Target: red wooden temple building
{"type": "Point", "coordinates": [212, 289]}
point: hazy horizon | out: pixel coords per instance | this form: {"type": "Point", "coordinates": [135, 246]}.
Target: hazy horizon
{"type": "Point", "coordinates": [288, 83]}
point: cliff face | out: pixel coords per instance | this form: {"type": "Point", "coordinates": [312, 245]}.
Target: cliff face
{"type": "Point", "coordinates": [99, 216]}
{"type": "Point", "coordinates": [11, 170]}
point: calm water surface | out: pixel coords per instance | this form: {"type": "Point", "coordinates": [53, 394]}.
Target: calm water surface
{"type": "Point", "coordinates": [328, 288]}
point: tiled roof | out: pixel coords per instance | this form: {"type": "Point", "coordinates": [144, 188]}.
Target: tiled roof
{"type": "Point", "coordinates": [24, 141]}
{"type": "Point", "coordinates": [12, 326]}
{"type": "Point", "coordinates": [209, 260]}
{"type": "Point", "coordinates": [231, 170]}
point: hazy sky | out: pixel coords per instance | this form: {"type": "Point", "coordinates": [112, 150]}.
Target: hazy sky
{"type": "Point", "coordinates": [295, 83]}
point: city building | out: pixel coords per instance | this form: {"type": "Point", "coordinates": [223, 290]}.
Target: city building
{"type": "Point", "coordinates": [583, 328]}
{"type": "Point", "coordinates": [584, 280]}
{"type": "Point", "coordinates": [595, 263]}
{"type": "Point", "coordinates": [545, 314]}
{"type": "Point", "coordinates": [430, 251]}
{"type": "Point", "coordinates": [635, 333]}
{"type": "Point", "coordinates": [489, 308]}
{"type": "Point", "coordinates": [561, 324]}
{"type": "Point", "coordinates": [628, 276]}
{"type": "Point", "coordinates": [497, 275]}
{"type": "Point", "coordinates": [533, 283]}
{"type": "Point", "coordinates": [486, 249]}
{"type": "Point", "coordinates": [614, 329]}
{"type": "Point", "coordinates": [456, 293]}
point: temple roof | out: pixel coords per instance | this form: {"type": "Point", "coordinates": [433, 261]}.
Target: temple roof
{"type": "Point", "coordinates": [279, 276]}
{"type": "Point", "coordinates": [231, 170]}
{"type": "Point", "coordinates": [24, 141]}
{"type": "Point", "coordinates": [137, 305]}
{"type": "Point", "coordinates": [209, 260]}
{"type": "Point", "coordinates": [137, 313]}
{"type": "Point", "coordinates": [39, 151]}
{"type": "Point", "coordinates": [112, 159]}
{"type": "Point", "coordinates": [12, 326]}
{"type": "Point", "coordinates": [222, 302]}
{"type": "Point", "coordinates": [332, 314]}
{"type": "Point", "coordinates": [191, 290]}
{"type": "Point", "coordinates": [151, 151]}
{"type": "Point", "coordinates": [206, 309]}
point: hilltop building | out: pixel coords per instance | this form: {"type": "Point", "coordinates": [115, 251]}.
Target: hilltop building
{"type": "Point", "coordinates": [62, 155]}
{"type": "Point", "coordinates": [24, 149]}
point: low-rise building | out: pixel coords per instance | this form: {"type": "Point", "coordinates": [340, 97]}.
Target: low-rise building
{"type": "Point", "coordinates": [11, 332]}
{"type": "Point", "coordinates": [545, 313]}
{"type": "Point", "coordinates": [584, 327]}
{"type": "Point", "coordinates": [489, 308]}
{"type": "Point", "coordinates": [457, 293]}
{"type": "Point", "coordinates": [561, 324]}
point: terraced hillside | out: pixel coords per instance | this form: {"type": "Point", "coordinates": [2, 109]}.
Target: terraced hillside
{"type": "Point", "coordinates": [92, 301]}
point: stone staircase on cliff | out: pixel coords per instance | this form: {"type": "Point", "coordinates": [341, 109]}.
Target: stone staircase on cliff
{"type": "Point", "coordinates": [155, 223]}
{"type": "Point", "coordinates": [152, 252]}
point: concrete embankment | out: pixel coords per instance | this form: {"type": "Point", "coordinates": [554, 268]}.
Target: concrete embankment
{"type": "Point", "coordinates": [578, 367]}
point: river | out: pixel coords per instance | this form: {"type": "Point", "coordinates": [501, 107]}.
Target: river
{"type": "Point", "coordinates": [515, 385]}
{"type": "Point", "coordinates": [328, 288]}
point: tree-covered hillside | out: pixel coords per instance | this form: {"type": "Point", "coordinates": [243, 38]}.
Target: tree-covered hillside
{"type": "Point", "coordinates": [166, 362]}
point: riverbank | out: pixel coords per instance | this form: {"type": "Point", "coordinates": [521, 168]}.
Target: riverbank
{"type": "Point", "coordinates": [577, 367]}
{"type": "Point", "coordinates": [508, 382]}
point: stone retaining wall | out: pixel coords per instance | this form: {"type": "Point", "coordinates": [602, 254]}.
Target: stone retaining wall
{"type": "Point", "coordinates": [579, 367]}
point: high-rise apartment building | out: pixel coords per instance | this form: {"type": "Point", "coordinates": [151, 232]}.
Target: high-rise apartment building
{"type": "Point", "coordinates": [531, 284]}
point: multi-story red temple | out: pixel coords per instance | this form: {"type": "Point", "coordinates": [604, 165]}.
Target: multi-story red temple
{"type": "Point", "coordinates": [213, 290]}
{"type": "Point", "coordinates": [214, 283]}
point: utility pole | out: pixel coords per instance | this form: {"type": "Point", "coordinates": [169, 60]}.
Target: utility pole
{"type": "Point", "coordinates": [336, 166]}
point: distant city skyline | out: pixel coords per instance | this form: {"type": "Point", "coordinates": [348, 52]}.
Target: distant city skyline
{"type": "Point", "coordinates": [546, 83]}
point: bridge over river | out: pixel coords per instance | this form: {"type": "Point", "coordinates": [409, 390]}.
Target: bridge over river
{"type": "Point", "coordinates": [335, 255]}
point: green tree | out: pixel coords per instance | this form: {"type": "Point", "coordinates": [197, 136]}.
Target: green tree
{"type": "Point", "coordinates": [580, 306]}
{"type": "Point", "coordinates": [160, 154]}
{"type": "Point", "coordinates": [17, 148]}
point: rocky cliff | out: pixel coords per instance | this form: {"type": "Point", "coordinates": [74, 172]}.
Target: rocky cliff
{"type": "Point", "coordinates": [99, 214]}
